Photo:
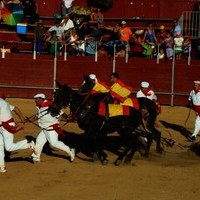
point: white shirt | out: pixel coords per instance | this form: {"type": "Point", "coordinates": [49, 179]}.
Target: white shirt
{"type": "Point", "coordinates": [45, 119]}
{"type": "Point", "coordinates": [69, 24]}
{"type": "Point", "coordinates": [195, 98]}
{"type": "Point", "coordinates": [150, 95]}
{"type": "Point", "coordinates": [59, 30]}
{"type": "Point", "coordinates": [68, 3]}
{"type": "Point", "coordinates": [5, 111]}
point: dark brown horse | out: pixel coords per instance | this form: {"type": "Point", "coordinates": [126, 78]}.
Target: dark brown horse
{"type": "Point", "coordinates": [146, 106]}
{"type": "Point", "coordinates": [86, 111]}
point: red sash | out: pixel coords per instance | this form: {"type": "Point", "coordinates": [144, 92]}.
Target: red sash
{"type": "Point", "coordinates": [57, 128]}
{"type": "Point", "coordinates": [10, 128]}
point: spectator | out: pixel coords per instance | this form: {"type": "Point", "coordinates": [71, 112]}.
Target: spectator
{"type": "Point", "coordinates": [178, 43]}
{"type": "Point", "coordinates": [160, 37]}
{"type": "Point", "coordinates": [67, 24]}
{"type": "Point", "coordinates": [113, 39]}
{"type": "Point", "coordinates": [96, 17]}
{"type": "Point", "coordinates": [59, 32]}
{"type": "Point", "coordinates": [194, 100]}
{"type": "Point", "coordinates": [125, 33]}
{"type": "Point", "coordinates": [176, 29]}
{"type": "Point", "coordinates": [39, 33]}
{"type": "Point", "coordinates": [83, 30]}
{"type": "Point", "coordinates": [72, 42]}
{"type": "Point", "coordinates": [54, 43]}
{"type": "Point", "coordinates": [30, 8]}
{"type": "Point", "coordinates": [187, 45]}
{"type": "Point", "coordinates": [137, 47]}
{"type": "Point", "coordinates": [149, 41]}
{"type": "Point", "coordinates": [67, 6]}
{"type": "Point", "coordinates": [169, 46]}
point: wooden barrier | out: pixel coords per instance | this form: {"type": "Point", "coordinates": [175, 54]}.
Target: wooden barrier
{"type": "Point", "coordinates": [21, 76]}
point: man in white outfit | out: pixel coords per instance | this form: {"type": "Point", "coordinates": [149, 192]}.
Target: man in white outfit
{"type": "Point", "coordinates": [7, 130]}
{"type": "Point", "coordinates": [146, 91]}
{"type": "Point", "coordinates": [194, 99]}
{"type": "Point", "coordinates": [50, 129]}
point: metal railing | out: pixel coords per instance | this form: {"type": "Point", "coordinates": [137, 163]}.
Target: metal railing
{"type": "Point", "coordinates": [190, 22]}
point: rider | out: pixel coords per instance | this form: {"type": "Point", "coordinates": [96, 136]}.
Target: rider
{"type": "Point", "coordinates": [119, 90]}
{"type": "Point", "coordinates": [99, 87]}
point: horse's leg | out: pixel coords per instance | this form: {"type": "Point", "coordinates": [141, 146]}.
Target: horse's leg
{"type": "Point", "coordinates": [145, 152]}
{"type": "Point", "coordinates": [130, 142]}
{"type": "Point", "coordinates": [156, 134]}
{"type": "Point", "coordinates": [102, 156]}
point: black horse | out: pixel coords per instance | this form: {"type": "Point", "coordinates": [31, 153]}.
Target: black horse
{"type": "Point", "coordinates": [147, 108]}
{"type": "Point", "coordinates": [85, 109]}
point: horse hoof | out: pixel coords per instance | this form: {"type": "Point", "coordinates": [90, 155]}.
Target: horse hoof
{"type": "Point", "coordinates": [118, 162]}
{"type": "Point", "coordinates": [145, 155]}
{"type": "Point", "coordinates": [104, 162]}
{"type": "Point", "coordinates": [159, 150]}
{"type": "Point", "coordinates": [94, 157]}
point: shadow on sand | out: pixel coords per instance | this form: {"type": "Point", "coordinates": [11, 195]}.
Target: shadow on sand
{"type": "Point", "coordinates": [195, 147]}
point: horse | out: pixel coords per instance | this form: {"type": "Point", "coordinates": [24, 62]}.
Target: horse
{"type": "Point", "coordinates": [85, 108]}
{"type": "Point", "coordinates": [147, 108]}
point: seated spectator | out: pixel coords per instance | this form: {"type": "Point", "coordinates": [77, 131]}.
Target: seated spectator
{"type": "Point", "coordinates": [30, 8]}
{"type": "Point", "coordinates": [150, 40]}
{"type": "Point", "coordinates": [178, 43]}
{"type": "Point", "coordinates": [39, 33]}
{"type": "Point", "coordinates": [160, 37]}
{"type": "Point", "coordinates": [102, 52]}
{"type": "Point", "coordinates": [83, 30]}
{"type": "Point", "coordinates": [67, 24]}
{"type": "Point", "coordinates": [90, 46]}
{"type": "Point", "coordinates": [72, 42]}
{"type": "Point", "coordinates": [137, 47]}
{"type": "Point", "coordinates": [54, 46]}
{"type": "Point", "coordinates": [169, 46]}
{"type": "Point", "coordinates": [120, 53]}
{"type": "Point", "coordinates": [187, 45]}
{"type": "Point", "coordinates": [59, 32]}
{"type": "Point", "coordinates": [176, 29]}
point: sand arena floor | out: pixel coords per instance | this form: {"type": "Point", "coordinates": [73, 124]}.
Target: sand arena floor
{"type": "Point", "coordinates": [173, 175]}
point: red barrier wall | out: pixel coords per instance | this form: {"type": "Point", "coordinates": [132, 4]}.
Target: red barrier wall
{"type": "Point", "coordinates": [21, 76]}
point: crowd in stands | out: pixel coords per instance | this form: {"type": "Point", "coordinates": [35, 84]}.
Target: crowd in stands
{"type": "Point", "coordinates": [86, 34]}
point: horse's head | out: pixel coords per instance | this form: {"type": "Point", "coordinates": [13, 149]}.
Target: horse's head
{"type": "Point", "coordinates": [87, 85]}
{"type": "Point", "coordinates": [61, 97]}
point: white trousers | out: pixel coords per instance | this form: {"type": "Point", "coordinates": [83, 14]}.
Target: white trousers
{"type": "Point", "coordinates": [52, 138]}
{"type": "Point", "coordinates": [197, 126]}
{"type": "Point", "coordinates": [2, 155]}
{"type": "Point", "coordinates": [9, 141]}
